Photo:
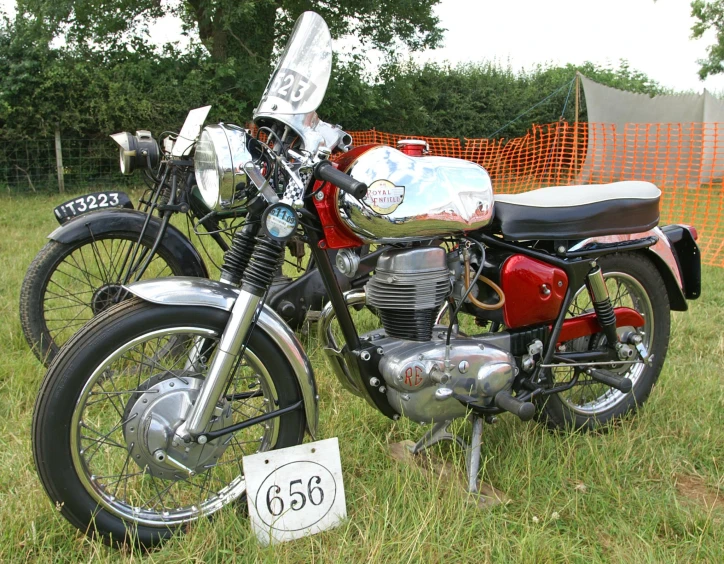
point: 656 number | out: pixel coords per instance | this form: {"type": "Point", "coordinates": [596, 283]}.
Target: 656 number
{"type": "Point", "coordinates": [315, 495]}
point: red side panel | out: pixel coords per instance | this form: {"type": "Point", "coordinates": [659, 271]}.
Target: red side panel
{"type": "Point", "coordinates": [587, 324]}
{"type": "Point", "coordinates": [336, 234]}
{"type": "Point", "coordinates": [534, 291]}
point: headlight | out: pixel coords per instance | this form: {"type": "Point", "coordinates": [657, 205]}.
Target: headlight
{"type": "Point", "coordinates": [137, 151]}
{"type": "Point", "coordinates": [219, 160]}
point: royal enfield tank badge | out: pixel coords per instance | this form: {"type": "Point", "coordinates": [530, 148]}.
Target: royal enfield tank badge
{"type": "Point", "coordinates": [279, 221]}
{"type": "Point", "coordinates": [384, 197]}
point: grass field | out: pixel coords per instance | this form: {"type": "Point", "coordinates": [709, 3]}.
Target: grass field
{"type": "Point", "coordinates": [650, 490]}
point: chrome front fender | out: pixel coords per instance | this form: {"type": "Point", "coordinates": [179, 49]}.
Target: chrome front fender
{"type": "Point", "coordinates": [664, 259]}
{"type": "Point", "coordinates": [187, 291]}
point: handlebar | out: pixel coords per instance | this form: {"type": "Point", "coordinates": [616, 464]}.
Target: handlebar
{"type": "Point", "coordinates": [326, 171]}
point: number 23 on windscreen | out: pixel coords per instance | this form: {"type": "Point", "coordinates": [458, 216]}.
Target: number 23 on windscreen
{"type": "Point", "coordinates": [295, 492]}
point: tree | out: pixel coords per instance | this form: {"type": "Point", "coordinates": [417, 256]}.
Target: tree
{"type": "Point", "coordinates": [710, 15]}
{"type": "Point", "coordinates": [246, 29]}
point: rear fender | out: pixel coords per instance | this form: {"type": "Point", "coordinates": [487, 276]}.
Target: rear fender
{"type": "Point", "coordinates": [131, 221]}
{"type": "Point", "coordinates": [663, 255]}
{"type": "Point", "coordinates": [184, 291]}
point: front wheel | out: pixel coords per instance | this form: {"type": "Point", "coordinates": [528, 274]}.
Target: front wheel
{"type": "Point", "coordinates": [105, 417]}
{"type": "Point", "coordinates": [633, 282]}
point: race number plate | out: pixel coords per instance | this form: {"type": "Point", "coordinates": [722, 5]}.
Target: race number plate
{"type": "Point", "coordinates": [91, 202]}
{"type": "Point", "coordinates": [294, 492]}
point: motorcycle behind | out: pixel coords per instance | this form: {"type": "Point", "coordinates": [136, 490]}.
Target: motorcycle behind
{"type": "Point", "coordinates": [143, 418]}
{"type": "Point", "coordinates": [103, 242]}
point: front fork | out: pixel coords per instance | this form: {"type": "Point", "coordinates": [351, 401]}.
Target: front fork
{"type": "Point", "coordinates": [227, 352]}
{"type": "Point", "coordinates": [255, 281]}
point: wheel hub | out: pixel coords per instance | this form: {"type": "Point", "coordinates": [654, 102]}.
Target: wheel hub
{"type": "Point", "coordinates": [152, 419]}
{"type": "Point", "coordinates": [104, 297]}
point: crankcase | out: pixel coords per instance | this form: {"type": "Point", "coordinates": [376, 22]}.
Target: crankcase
{"type": "Point", "coordinates": [423, 387]}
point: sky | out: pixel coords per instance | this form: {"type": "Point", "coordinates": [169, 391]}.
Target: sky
{"type": "Point", "coordinates": [655, 37]}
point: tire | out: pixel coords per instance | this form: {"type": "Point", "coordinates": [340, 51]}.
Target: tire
{"type": "Point", "coordinates": [57, 297]}
{"type": "Point", "coordinates": [635, 274]}
{"type": "Point", "coordinates": [78, 470]}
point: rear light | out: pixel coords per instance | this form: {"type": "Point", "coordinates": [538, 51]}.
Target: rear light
{"type": "Point", "coordinates": [691, 229]}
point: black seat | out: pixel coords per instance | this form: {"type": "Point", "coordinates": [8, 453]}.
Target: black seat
{"type": "Point", "coordinates": [576, 212]}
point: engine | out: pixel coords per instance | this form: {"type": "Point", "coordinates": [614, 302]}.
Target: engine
{"type": "Point", "coordinates": [425, 381]}
{"type": "Point", "coordinates": [408, 290]}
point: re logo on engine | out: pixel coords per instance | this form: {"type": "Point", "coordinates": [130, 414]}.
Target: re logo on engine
{"type": "Point", "coordinates": [413, 376]}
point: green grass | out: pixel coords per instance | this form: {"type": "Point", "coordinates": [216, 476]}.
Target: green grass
{"type": "Point", "coordinates": [650, 490]}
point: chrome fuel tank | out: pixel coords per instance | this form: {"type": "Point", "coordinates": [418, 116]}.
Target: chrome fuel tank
{"type": "Point", "coordinates": [413, 197]}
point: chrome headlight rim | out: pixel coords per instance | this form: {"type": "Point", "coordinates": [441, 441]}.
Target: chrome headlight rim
{"type": "Point", "coordinates": [219, 158]}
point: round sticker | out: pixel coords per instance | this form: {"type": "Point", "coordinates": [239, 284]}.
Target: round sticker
{"type": "Point", "coordinates": [280, 221]}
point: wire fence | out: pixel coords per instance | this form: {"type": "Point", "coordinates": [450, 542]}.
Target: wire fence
{"type": "Point", "coordinates": [32, 166]}
{"type": "Point", "coordinates": [685, 160]}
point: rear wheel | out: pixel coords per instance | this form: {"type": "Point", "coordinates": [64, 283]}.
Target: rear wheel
{"type": "Point", "coordinates": [104, 421]}
{"type": "Point", "coordinates": [634, 282]}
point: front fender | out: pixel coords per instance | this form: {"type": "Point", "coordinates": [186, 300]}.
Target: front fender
{"type": "Point", "coordinates": [184, 291]}
{"type": "Point", "coordinates": [131, 221]}
{"type": "Point", "coordinates": [663, 257]}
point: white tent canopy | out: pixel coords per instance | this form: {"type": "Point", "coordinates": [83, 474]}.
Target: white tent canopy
{"type": "Point", "coordinates": [663, 139]}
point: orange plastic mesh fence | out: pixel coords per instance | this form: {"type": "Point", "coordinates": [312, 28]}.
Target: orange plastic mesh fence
{"type": "Point", "coordinates": [685, 160]}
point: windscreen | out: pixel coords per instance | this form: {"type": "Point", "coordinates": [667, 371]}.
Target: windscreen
{"type": "Point", "coordinates": [299, 82]}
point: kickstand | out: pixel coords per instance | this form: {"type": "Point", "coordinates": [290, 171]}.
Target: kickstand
{"type": "Point", "coordinates": [472, 460]}
{"type": "Point", "coordinates": [439, 432]}
{"type": "Point", "coordinates": [483, 494]}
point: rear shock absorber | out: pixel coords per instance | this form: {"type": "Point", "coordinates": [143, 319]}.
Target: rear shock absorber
{"type": "Point", "coordinates": [263, 265]}
{"type": "Point", "coordinates": [598, 291]}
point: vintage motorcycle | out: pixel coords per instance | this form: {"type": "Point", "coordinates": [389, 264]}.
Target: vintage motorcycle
{"type": "Point", "coordinates": [143, 418]}
{"type": "Point", "coordinates": [103, 242]}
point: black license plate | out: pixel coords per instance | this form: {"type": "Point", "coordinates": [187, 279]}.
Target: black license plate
{"type": "Point", "coordinates": [91, 202]}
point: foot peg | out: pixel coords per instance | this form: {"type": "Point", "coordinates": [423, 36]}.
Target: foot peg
{"type": "Point", "coordinates": [525, 410]}
{"type": "Point", "coordinates": [621, 384]}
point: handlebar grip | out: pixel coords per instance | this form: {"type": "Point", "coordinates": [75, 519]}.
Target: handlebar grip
{"type": "Point", "coordinates": [327, 172]}
{"type": "Point", "coordinates": [523, 409]}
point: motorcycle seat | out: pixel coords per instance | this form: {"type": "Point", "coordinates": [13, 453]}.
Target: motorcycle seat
{"type": "Point", "coordinates": [577, 212]}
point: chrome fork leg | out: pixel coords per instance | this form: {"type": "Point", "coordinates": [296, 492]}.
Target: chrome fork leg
{"type": "Point", "coordinates": [228, 349]}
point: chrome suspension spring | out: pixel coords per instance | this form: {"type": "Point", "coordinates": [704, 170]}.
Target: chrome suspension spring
{"type": "Point", "coordinates": [237, 258]}
{"type": "Point", "coordinates": [265, 260]}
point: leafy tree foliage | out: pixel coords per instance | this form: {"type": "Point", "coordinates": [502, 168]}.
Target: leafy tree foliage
{"type": "Point", "coordinates": [89, 91]}
{"type": "Point", "coordinates": [247, 27]}
{"type": "Point", "coordinates": [710, 15]}
{"type": "Point", "coordinates": [474, 100]}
